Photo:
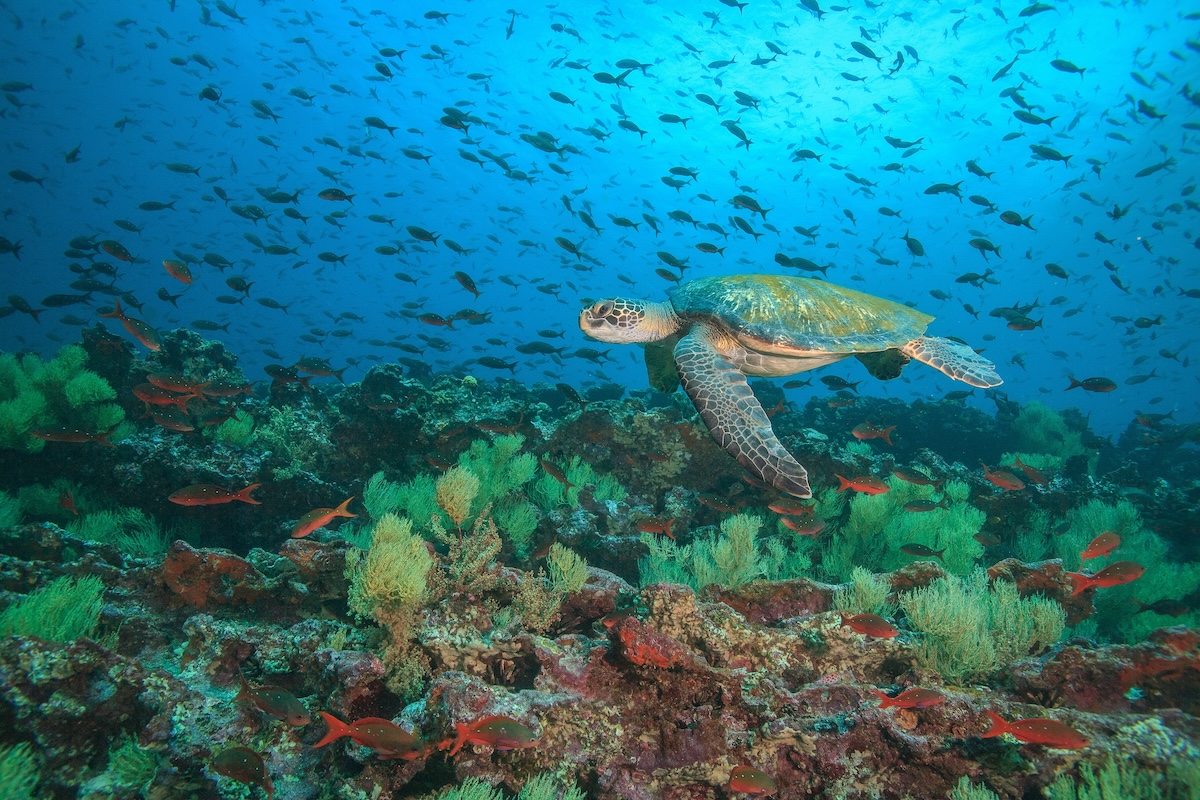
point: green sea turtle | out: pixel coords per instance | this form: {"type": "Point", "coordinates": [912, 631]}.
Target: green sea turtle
{"type": "Point", "coordinates": [719, 330]}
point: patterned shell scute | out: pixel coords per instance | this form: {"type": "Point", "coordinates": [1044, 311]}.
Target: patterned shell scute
{"type": "Point", "coordinates": [783, 314]}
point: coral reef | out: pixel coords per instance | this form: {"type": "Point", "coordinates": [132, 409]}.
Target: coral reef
{"type": "Point", "coordinates": [598, 577]}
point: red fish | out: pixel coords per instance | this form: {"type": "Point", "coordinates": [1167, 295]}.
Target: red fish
{"type": "Point", "coordinates": [1048, 732]}
{"type": "Point", "coordinates": [1092, 384]}
{"type": "Point", "coordinates": [870, 625]}
{"type": "Point", "coordinates": [867, 484]}
{"type": "Point", "coordinates": [206, 494]}
{"type": "Point", "coordinates": [751, 781]}
{"type": "Point", "coordinates": [791, 508]}
{"type": "Point", "coordinates": [67, 501]}
{"type": "Point", "coordinates": [116, 250]}
{"type": "Point", "coordinates": [319, 518]}
{"type": "Point", "coordinates": [1101, 546]}
{"type": "Point", "coordinates": [72, 435]}
{"type": "Point", "coordinates": [244, 766]}
{"type": "Point", "coordinates": [917, 478]}
{"type": "Point", "coordinates": [1004, 479]}
{"type": "Point", "coordinates": [178, 270]}
{"type": "Point", "coordinates": [924, 506]}
{"type": "Point", "coordinates": [1033, 474]}
{"type": "Point", "coordinates": [436, 319]}
{"type": "Point", "coordinates": [555, 471]}
{"type": "Point", "coordinates": [335, 194]}
{"type": "Point", "coordinates": [464, 280]}
{"type": "Point", "coordinates": [176, 383]}
{"type": "Point", "coordinates": [137, 329]}
{"type": "Point", "coordinates": [152, 395]}
{"type": "Point", "coordinates": [173, 419]}
{"type": "Point", "coordinates": [498, 732]}
{"type": "Point", "coordinates": [274, 701]}
{"type": "Point", "coordinates": [1115, 574]}
{"type": "Point", "coordinates": [655, 525]}
{"type": "Point", "coordinates": [383, 736]}
{"type": "Point", "coordinates": [866, 430]}
{"type": "Point", "coordinates": [811, 527]}
{"type": "Point", "coordinates": [912, 698]}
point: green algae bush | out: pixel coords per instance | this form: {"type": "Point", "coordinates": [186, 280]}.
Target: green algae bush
{"type": "Point", "coordinates": [10, 510]}
{"type": "Point", "coordinates": [1126, 780]}
{"type": "Point", "coordinates": [731, 556]}
{"type": "Point", "coordinates": [56, 393]}
{"type": "Point", "coordinates": [970, 629]}
{"type": "Point", "coordinates": [65, 609]}
{"type": "Point", "coordinates": [18, 772]}
{"type": "Point", "coordinates": [131, 766]}
{"type": "Point", "coordinates": [540, 787]}
{"type": "Point", "coordinates": [866, 593]}
{"type": "Point", "coordinates": [965, 790]}
{"type": "Point", "coordinates": [131, 530]}
{"type": "Point", "coordinates": [540, 596]}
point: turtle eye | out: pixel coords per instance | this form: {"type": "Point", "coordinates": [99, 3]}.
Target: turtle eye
{"type": "Point", "coordinates": [603, 309]}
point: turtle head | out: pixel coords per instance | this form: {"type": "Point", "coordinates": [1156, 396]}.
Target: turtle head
{"type": "Point", "coordinates": [621, 321]}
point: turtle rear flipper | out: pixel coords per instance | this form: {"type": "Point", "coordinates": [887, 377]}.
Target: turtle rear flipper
{"type": "Point", "coordinates": [733, 414]}
{"type": "Point", "coordinates": [884, 365]}
{"type": "Point", "coordinates": [954, 359]}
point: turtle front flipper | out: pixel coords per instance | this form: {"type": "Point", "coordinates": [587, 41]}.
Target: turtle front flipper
{"type": "Point", "coordinates": [733, 414]}
{"type": "Point", "coordinates": [955, 359]}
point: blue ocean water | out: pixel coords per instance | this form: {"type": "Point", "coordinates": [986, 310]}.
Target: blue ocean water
{"type": "Point", "coordinates": [890, 98]}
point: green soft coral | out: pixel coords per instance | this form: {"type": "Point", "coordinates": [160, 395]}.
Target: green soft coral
{"type": "Point", "coordinates": [879, 526]}
{"type": "Point", "coordinates": [1119, 614]}
{"type": "Point", "coordinates": [58, 393]}
{"type": "Point", "coordinates": [971, 628]}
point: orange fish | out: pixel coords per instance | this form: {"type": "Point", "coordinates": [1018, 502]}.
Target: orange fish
{"type": "Point", "coordinates": [274, 701]}
{"type": "Point", "coordinates": [655, 525]}
{"type": "Point", "coordinates": [555, 471]}
{"type": "Point", "coordinates": [751, 781]}
{"type": "Point", "coordinates": [319, 518]}
{"type": "Point", "coordinates": [865, 430]}
{"type": "Point", "coordinates": [436, 319]}
{"type": "Point", "coordinates": [383, 736]}
{"type": "Point", "coordinates": [244, 766]}
{"type": "Point", "coordinates": [1115, 574]}
{"type": "Point", "coordinates": [498, 732]}
{"type": "Point", "coordinates": [206, 494]}
{"type": "Point", "coordinates": [1101, 546]}
{"type": "Point", "coordinates": [870, 625]}
{"type": "Point", "coordinates": [72, 435]}
{"type": "Point", "coordinates": [912, 698]}
{"type": "Point", "coordinates": [137, 329]}
{"type": "Point", "coordinates": [811, 527]}
{"type": "Point", "coordinates": [1004, 479]}
{"type": "Point", "coordinates": [1048, 732]}
{"type": "Point", "coordinates": [177, 270]}
{"type": "Point", "coordinates": [867, 484]}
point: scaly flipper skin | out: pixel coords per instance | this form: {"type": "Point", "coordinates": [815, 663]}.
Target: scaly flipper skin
{"type": "Point", "coordinates": [954, 359]}
{"type": "Point", "coordinates": [733, 414]}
